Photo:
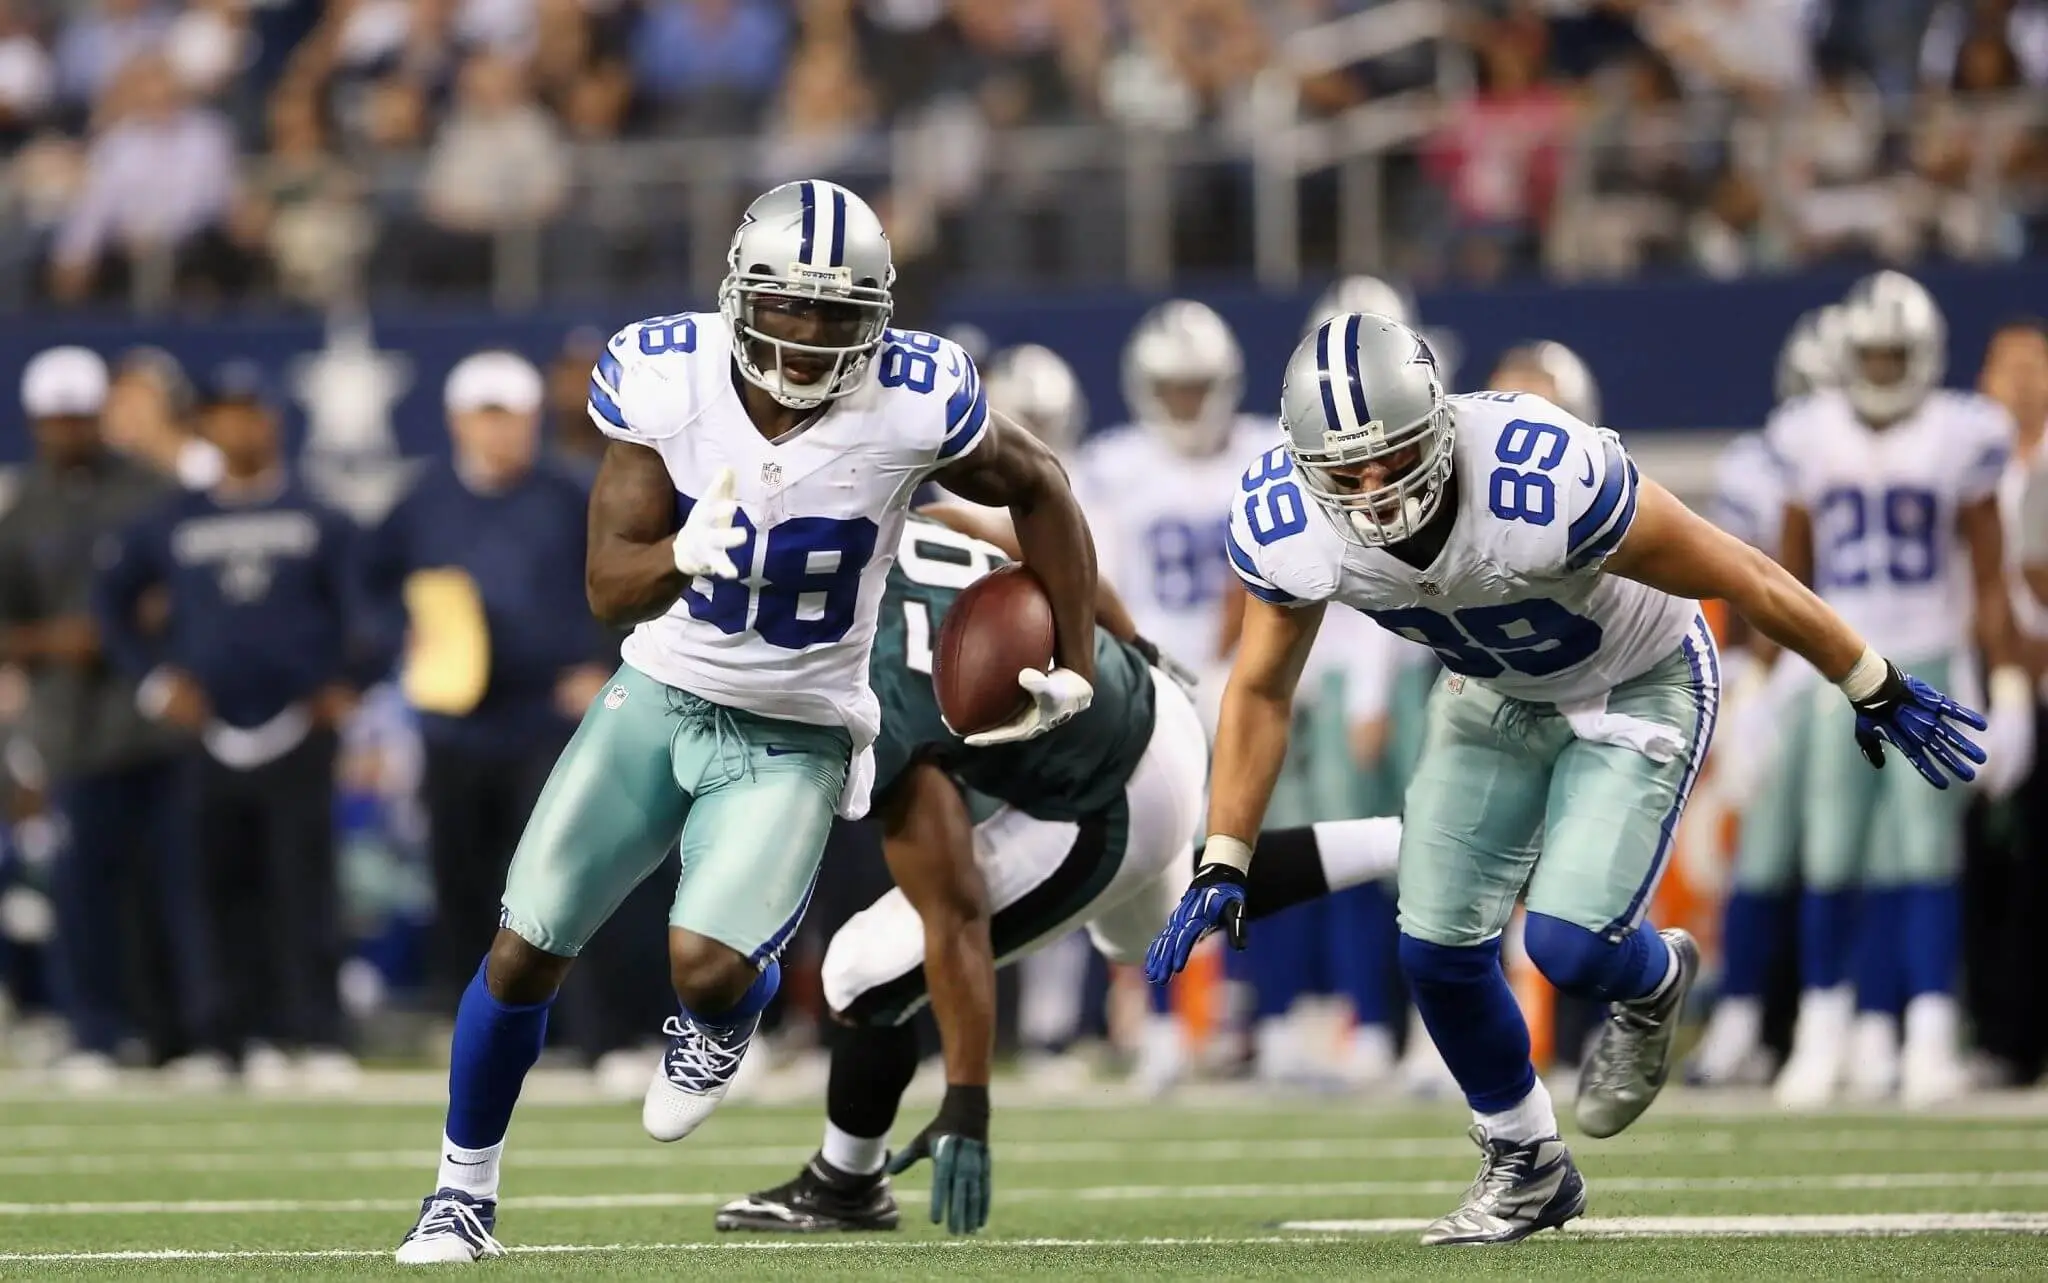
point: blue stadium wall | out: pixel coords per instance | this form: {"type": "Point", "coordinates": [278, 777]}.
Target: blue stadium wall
{"type": "Point", "coordinates": [1668, 354]}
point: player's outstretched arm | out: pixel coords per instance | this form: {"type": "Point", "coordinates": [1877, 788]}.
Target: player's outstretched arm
{"type": "Point", "coordinates": [1012, 469]}
{"type": "Point", "coordinates": [1670, 547]}
{"type": "Point", "coordinates": [928, 840]}
{"type": "Point", "coordinates": [1251, 740]}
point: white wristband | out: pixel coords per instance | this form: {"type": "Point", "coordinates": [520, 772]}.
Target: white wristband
{"type": "Point", "coordinates": [1865, 678]}
{"type": "Point", "coordinates": [1220, 849]}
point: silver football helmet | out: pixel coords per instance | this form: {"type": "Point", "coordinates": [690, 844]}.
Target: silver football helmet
{"type": "Point", "coordinates": [1564, 378]}
{"type": "Point", "coordinates": [1368, 427]}
{"type": "Point", "coordinates": [1812, 356]}
{"type": "Point", "coordinates": [816, 253]}
{"type": "Point", "coordinates": [1362, 294]}
{"type": "Point", "coordinates": [1894, 346]}
{"type": "Point", "coordinates": [1037, 388]}
{"type": "Point", "coordinates": [1184, 375]}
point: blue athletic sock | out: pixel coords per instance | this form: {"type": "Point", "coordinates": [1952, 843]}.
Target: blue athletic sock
{"type": "Point", "coordinates": [1361, 951]}
{"type": "Point", "coordinates": [752, 1003]}
{"type": "Point", "coordinates": [1281, 959]}
{"type": "Point", "coordinates": [1878, 952]}
{"type": "Point", "coordinates": [1472, 1017]}
{"type": "Point", "coordinates": [1930, 928]}
{"type": "Point", "coordinates": [1826, 920]}
{"type": "Point", "coordinates": [1586, 964]}
{"type": "Point", "coordinates": [1751, 926]}
{"type": "Point", "coordinates": [495, 1044]}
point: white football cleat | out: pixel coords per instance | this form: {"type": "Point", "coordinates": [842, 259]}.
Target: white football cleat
{"type": "Point", "coordinates": [1162, 1057]}
{"type": "Point", "coordinates": [1820, 1043]}
{"type": "Point", "coordinates": [1873, 1070]}
{"type": "Point", "coordinates": [266, 1071]}
{"type": "Point", "coordinates": [329, 1071]}
{"type": "Point", "coordinates": [86, 1073]}
{"type": "Point", "coordinates": [1932, 1070]}
{"type": "Point", "coordinates": [694, 1075]}
{"type": "Point", "coordinates": [1728, 1048]}
{"type": "Point", "coordinates": [454, 1229]}
{"type": "Point", "coordinates": [1369, 1059]}
{"type": "Point", "coordinates": [199, 1072]}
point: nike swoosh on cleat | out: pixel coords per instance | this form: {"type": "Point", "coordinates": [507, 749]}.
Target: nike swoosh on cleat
{"type": "Point", "coordinates": [776, 750]}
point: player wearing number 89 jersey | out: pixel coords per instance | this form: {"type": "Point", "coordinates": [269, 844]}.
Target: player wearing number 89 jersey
{"type": "Point", "coordinates": [1559, 588]}
{"type": "Point", "coordinates": [759, 464]}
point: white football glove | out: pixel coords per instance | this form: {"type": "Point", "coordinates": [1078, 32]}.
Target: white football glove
{"type": "Point", "coordinates": [1055, 698]}
{"type": "Point", "coordinates": [701, 545]}
{"type": "Point", "coordinates": [2009, 736]}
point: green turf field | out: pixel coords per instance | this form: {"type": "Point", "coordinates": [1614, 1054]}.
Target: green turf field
{"type": "Point", "coordinates": [188, 1188]}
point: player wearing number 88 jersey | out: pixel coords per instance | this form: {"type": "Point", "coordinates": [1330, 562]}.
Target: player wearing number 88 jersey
{"type": "Point", "coordinates": [1559, 588]}
{"type": "Point", "coordinates": [759, 464]}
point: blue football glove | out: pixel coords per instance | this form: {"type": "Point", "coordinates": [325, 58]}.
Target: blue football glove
{"type": "Point", "coordinates": [963, 1173]}
{"type": "Point", "coordinates": [1214, 902]}
{"type": "Point", "coordinates": [1915, 718]}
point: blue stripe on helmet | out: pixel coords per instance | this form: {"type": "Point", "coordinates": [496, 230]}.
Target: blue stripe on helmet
{"type": "Point", "coordinates": [810, 199]}
{"type": "Point", "coordinates": [1323, 376]}
{"type": "Point", "coordinates": [1351, 369]}
{"type": "Point", "coordinates": [838, 228]}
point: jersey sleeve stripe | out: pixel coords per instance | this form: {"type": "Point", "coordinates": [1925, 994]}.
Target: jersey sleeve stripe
{"type": "Point", "coordinates": [1988, 467]}
{"type": "Point", "coordinates": [603, 407]}
{"type": "Point", "coordinates": [1248, 572]}
{"type": "Point", "coordinates": [1605, 542]}
{"type": "Point", "coordinates": [965, 401]}
{"type": "Point", "coordinates": [1614, 482]}
{"type": "Point", "coordinates": [966, 434]}
{"type": "Point", "coordinates": [609, 372]}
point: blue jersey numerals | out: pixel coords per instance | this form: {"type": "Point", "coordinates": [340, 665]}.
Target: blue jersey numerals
{"type": "Point", "coordinates": [1535, 638]}
{"type": "Point", "coordinates": [804, 588]}
{"type": "Point", "coordinates": [1891, 536]}
{"type": "Point", "coordinates": [1188, 561]}
{"type": "Point", "coordinates": [909, 360]}
{"type": "Point", "coordinates": [668, 334]}
{"type": "Point", "coordinates": [1279, 512]}
{"type": "Point", "coordinates": [1516, 495]}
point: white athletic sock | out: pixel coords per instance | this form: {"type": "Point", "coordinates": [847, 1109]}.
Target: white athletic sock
{"type": "Point", "coordinates": [1531, 1118]}
{"type": "Point", "coordinates": [858, 1155]}
{"type": "Point", "coordinates": [1733, 1034]}
{"type": "Point", "coordinates": [1357, 851]}
{"type": "Point", "coordinates": [1670, 976]}
{"type": "Point", "coordinates": [473, 1171]}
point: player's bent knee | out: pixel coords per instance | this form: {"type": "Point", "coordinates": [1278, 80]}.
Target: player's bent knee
{"type": "Point", "coordinates": [707, 975]}
{"type": "Point", "coordinates": [520, 973]}
{"type": "Point", "coordinates": [1583, 963]}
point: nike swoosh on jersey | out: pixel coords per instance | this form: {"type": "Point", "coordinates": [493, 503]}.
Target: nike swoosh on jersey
{"type": "Point", "coordinates": [1588, 479]}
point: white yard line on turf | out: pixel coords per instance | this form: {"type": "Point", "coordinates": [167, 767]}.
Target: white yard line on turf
{"type": "Point", "coordinates": [1378, 1149]}
{"type": "Point", "coordinates": [1308, 1234]}
{"type": "Point", "coordinates": [1084, 1194]}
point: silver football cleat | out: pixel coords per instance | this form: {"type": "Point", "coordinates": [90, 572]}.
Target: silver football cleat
{"type": "Point", "coordinates": [1521, 1188]}
{"type": "Point", "coordinates": [1629, 1064]}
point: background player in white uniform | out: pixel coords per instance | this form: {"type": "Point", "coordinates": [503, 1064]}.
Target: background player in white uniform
{"type": "Point", "coordinates": [1891, 514]}
{"type": "Point", "coordinates": [1146, 487]}
{"type": "Point", "coordinates": [1558, 587]}
{"type": "Point", "coordinates": [786, 433]}
{"type": "Point", "coordinates": [1768, 705]}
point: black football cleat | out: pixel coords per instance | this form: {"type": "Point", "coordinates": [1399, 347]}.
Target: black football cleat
{"type": "Point", "coordinates": [821, 1199]}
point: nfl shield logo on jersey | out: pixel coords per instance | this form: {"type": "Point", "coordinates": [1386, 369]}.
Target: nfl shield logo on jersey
{"type": "Point", "coordinates": [771, 474]}
{"type": "Point", "coordinates": [615, 697]}
{"type": "Point", "coordinates": [1430, 587]}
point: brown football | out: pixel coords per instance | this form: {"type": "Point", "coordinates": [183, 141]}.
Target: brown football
{"type": "Point", "coordinates": [999, 625]}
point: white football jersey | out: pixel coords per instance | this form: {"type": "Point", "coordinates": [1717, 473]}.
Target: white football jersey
{"type": "Point", "coordinates": [1883, 502]}
{"type": "Point", "coordinates": [1158, 536]}
{"type": "Point", "coordinates": [1516, 598]}
{"type": "Point", "coordinates": [1749, 493]}
{"type": "Point", "coordinates": [822, 507]}
{"type": "Point", "coordinates": [2028, 615]}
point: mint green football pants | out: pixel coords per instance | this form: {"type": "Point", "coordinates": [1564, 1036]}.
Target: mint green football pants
{"type": "Point", "coordinates": [1767, 851]}
{"type": "Point", "coordinates": [750, 797]}
{"type": "Point", "coordinates": [1507, 802]}
{"type": "Point", "coordinates": [1865, 827]}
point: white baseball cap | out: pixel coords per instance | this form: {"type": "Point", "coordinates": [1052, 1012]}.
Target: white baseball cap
{"type": "Point", "coordinates": [64, 381]}
{"type": "Point", "coordinates": [495, 380]}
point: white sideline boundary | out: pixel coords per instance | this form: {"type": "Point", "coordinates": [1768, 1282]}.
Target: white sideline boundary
{"type": "Point", "coordinates": [1306, 1234]}
{"type": "Point", "coordinates": [1833, 1181]}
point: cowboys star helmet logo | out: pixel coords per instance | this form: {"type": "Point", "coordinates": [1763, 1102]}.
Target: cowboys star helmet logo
{"type": "Point", "coordinates": [1423, 355]}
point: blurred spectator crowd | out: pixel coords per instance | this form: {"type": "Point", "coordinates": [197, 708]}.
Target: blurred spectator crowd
{"type": "Point", "coordinates": [316, 149]}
